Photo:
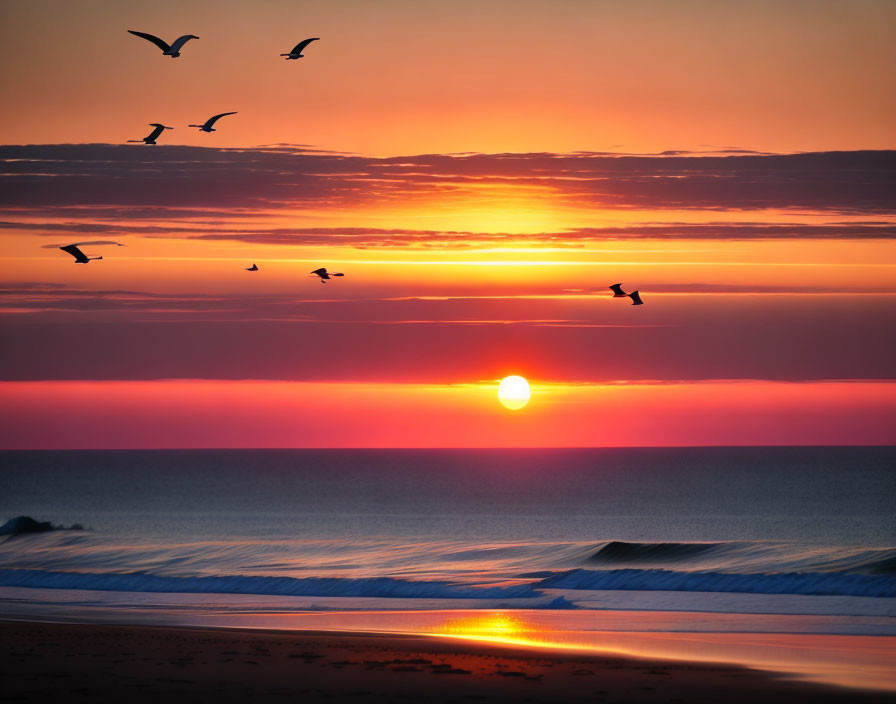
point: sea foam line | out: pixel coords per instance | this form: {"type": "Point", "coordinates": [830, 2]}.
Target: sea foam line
{"type": "Point", "coordinates": [809, 583]}
{"type": "Point", "coordinates": [276, 586]}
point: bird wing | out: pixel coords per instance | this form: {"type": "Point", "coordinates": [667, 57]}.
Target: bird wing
{"type": "Point", "coordinates": [617, 289]}
{"type": "Point", "coordinates": [320, 272]}
{"type": "Point", "coordinates": [212, 120]}
{"type": "Point", "coordinates": [152, 38]}
{"type": "Point", "coordinates": [636, 298]}
{"type": "Point", "coordinates": [302, 44]}
{"type": "Point", "coordinates": [75, 252]}
{"type": "Point", "coordinates": [155, 133]}
{"type": "Point", "coordinates": [180, 41]}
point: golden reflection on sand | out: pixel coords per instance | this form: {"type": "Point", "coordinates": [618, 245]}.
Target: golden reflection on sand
{"type": "Point", "coordinates": [847, 660]}
{"type": "Point", "coordinates": [508, 629]}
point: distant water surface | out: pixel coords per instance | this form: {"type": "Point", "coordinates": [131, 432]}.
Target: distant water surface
{"type": "Point", "coordinates": [456, 523]}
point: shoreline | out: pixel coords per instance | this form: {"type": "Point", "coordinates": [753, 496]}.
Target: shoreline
{"type": "Point", "coordinates": [40, 661]}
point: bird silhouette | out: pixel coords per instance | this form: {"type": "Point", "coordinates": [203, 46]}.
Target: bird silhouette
{"type": "Point", "coordinates": [634, 295]}
{"type": "Point", "coordinates": [296, 53]}
{"type": "Point", "coordinates": [152, 136]}
{"type": "Point", "coordinates": [323, 274]}
{"type": "Point", "coordinates": [208, 125]}
{"type": "Point", "coordinates": [254, 267]}
{"type": "Point", "coordinates": [172, 50]}
{"type": "Point", "coordinates": [80, 257]}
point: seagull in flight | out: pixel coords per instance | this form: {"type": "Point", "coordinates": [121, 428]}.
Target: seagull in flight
{"type": "Point", "coordinates": [254, 267]}
{"type": "Point", "coordinates": [634, 295]}
{"type": "Point", "coordinates": [80, 257]}
{"type": "Point", "coordinates": [172, 50]}
{"type": "Point", "coordinates": [208, 125]}
{"type": "Point", "coordinates": [152, 136]}
{"type": "Point", "coordinates": [323, 274]}
{"type": "Point", "coordinates": [296, 53]}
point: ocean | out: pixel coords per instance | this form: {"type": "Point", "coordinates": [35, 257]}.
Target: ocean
{"type": "Point", "coordinates": [779, 558]}
{"type": "Point", "coordinates": [491, 524]}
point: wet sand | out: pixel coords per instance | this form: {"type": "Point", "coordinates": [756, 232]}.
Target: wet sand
{"type": "Point", "coordinates": [41, 662]}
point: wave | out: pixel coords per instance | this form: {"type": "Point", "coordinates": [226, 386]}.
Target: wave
{"type": "Point", "coordinates": [808, 583]}
{"type": "Point", "coordinates": [886, 565]}
{"type": "Point", "coordinates": [275, 586]}
{"type": "Point", "coordinates": [619, 551]}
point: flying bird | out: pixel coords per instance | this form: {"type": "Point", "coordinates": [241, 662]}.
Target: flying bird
{"type": "Point", "coordinates": [296, 53]}
{"type": "Point", "coordinates": [208, 125]}
{"type": "Point", "coordinates": [152, 136]}
{"type": "Point", "coordinates": [323, 274]}
{"type": "Point", "coordinates": [172, 50]}
{"type": "Point", "coordinates": [80, 257]}
{"type": "Point", "coordinates": [634, 295]}
{"type": "Point", "coordinates": [254, 267]}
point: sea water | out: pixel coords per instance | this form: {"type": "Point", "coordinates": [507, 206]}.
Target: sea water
{"type": "Point", "coordinates": [490, 524]}
{"type": "Point", "coordinates": [777, 558]}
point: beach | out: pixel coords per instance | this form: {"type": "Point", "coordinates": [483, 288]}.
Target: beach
{"type": "Point", "coordinates": [415, 575]}
{"type": "Point", "coordinates": [43, 662]}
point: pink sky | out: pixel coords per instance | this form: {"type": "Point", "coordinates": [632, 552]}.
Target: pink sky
{"type": "Point", "coordinates": [198, 414]}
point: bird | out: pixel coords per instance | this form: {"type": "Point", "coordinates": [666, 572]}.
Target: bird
{"type": "Point", "coordinates": [254, 267]}
{"type": "Point", "coordinates": [207, 126]}
{"type": "Point", "coordinates": [323, 274]}
{"type": "Point", "coordinates": [296, 53]}
{"type": "Point", "coordinates": [172, 50]}
{"type": "Point", "coordinates": [634, 295]}
{"type": "Point", "coordinates": [80, 257]}
{"type": "Point", "coordinates": [152, 136]}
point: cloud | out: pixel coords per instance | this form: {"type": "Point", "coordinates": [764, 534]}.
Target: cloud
{"type": "Point", "coordinates": [78, 244]}
{"type": "Point", "coordinates": [366, 237]}
{"type": "Point", "coordinates": [198, 178]}
{"type": "Point", "coordinates": [117, 334]}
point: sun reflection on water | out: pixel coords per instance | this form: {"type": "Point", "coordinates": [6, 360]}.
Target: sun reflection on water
{"type": "Point", "coordinates": [502, 628]}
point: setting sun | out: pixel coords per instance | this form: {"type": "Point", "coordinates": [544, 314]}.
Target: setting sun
{"type": "Point", "coordinates": [513, 392]}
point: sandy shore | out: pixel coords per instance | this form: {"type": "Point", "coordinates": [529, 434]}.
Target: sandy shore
{"type": "Point", "coordinates": [65, 662]}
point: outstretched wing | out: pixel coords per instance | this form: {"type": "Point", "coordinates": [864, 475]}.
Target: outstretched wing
{"type": "Point", "coordinates": [75, 252]}
{"type": "Point", "coordinates": [302, 44]}
{"type": "Point", "coordinates": [617, 290]}
{"type": "Point", "coordinates": [155, 133]}
{"type": "Point", "coordinates": [636, 298]}
{"type": "Point", "coordinates": [152, 38]}
{"type": "Point", "coordinates": [320, 272]}
{"type": "Point", "coordinates": [212, 120]}
{"type": "Point", "coordinates": [180, 41]}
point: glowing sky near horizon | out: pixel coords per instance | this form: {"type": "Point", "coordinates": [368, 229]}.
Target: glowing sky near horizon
{"type": "Point", "coordinates": [481, 172]}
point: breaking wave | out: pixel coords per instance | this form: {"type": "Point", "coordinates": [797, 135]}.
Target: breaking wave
{"type": "Point", "coordinates": [807, 583]}
{"type": "Point", "coordinates": [275, 586]}
{"type": "Point", "coordinates": [619, 551]}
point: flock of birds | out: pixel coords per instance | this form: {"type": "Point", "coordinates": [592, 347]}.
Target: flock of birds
{"type": "Point", "coordinates": [173, 50]}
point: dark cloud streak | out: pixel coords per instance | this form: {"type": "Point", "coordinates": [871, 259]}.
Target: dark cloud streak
{"type": "Point", "coordinates": [196, 177]}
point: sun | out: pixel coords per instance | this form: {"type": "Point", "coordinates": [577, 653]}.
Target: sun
{"type": "Point", "coordinates": [513, 392]}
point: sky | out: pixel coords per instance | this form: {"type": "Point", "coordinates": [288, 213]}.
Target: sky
{"type": "Point", "coordinates": [481, 172]}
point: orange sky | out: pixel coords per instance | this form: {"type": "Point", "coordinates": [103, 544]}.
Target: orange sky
{"type": "Point", "coordinates": [410, 77]}
{"type": "Point", "coordinates": [481, 172]}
